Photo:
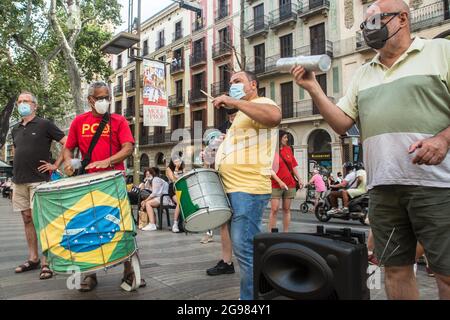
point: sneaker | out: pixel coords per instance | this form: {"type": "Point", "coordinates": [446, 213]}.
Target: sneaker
{"type": "Point", "coordinates": [333, 211]}
{"type": "Point", "coordinates": [373, 260]}
{"type": "Point", "coordinates": [207, 238]}
{"type": "Point", "coordinates": [429, 272]}
{"type": "Point", "coordinates": [344, 210]}
{"type": "Point", "coordinates": [175, 228]}
{"type": "Point", "coordinates": [150, 227]}
{"type": "Point", "coordinates": [221, 268]}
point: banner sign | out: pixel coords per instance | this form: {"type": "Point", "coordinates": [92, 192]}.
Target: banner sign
{"type": "Point", "coordinates": [155, 94]}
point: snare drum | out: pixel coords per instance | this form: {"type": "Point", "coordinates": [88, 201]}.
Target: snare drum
{"type": "Point", "coordinates": [203, 202]}
{"type": "Point", "coordinates": [84, 223]}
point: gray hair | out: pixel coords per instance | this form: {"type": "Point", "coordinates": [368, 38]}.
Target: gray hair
{"type": "Point", "coordinates": [33, 97]}
{"type": "Point", "coordinates": [96, 85]}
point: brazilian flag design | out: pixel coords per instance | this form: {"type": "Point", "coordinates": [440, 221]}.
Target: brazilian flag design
{"type": "Point", "coordinates": [90, 227]}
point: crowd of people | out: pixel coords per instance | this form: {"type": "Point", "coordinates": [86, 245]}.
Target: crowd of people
{"type": "Point", "coordinates": [405, 135]}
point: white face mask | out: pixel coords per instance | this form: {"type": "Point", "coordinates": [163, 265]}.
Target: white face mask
{"type": "Point", "coordinates": [102, 106]}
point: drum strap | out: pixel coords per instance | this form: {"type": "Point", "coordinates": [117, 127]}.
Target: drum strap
{"type": "Point", "coordinates": [94, 141]}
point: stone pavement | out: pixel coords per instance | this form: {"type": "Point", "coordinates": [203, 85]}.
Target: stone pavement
{"type": "Point", "coordinates": [173, 265]}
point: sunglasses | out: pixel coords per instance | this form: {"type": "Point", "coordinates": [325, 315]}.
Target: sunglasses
{"type": "Point", "coordinates": [377, 17]}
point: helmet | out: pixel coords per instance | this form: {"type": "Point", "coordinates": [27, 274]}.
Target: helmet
{"type": "Point", "coordinates": [349, 165]}
{"type": "Point", "coordinates": [359, 166]}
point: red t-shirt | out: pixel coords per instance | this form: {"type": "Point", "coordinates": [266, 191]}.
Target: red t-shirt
{"type": "Point", "coordinates": [82, 131]}
{"type": "Point", "coordinates": [282, 171]}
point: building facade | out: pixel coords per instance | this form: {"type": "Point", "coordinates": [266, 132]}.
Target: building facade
{"type": "Point", "coordinates": [200, 51]}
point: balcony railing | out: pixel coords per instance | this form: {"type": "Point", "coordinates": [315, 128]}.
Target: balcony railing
{"type": "Point", "coordinates": [160, 43]}
{"type": "Point", "coordinates": [130, 85]}
{"type": "Point", "coordinates": [118, 90]}
{"type": "Point", "coordinates": [429, 15]}
{"type": "Point", "coordinates": [221, 14]}
{"type": "Point", "coordinates": [308, 8]}
{"type": "Point", "coordinates": [219, 88]}
{"type": "Point", "coordinates": [284, 15]}
{"type": "Point", "coordinates": [198, 58]}
{"type": "Point", "coordinates": [325, 47]}
{"type": "Point", "coordinates": [143, 140]}
{"type": "Point", "coordinates": [159, 137]}
{"type": "Point", "coordinates": [264, 67]}
{"type": "Point", "coordinates": [221, 49]}
{"type": "Point", "coordinates": [177, 66]}
{"type": "Point", "coordinates": [176, 101]}
{"type": "Point", "coordinates": [302, 109]}
{"type": "Point", "coordinates": [198, 25]}
{"type": "Point", "coordinates": [256, 27]}
{"type": "Point", "coordinates": [177, 35]}
{"type": "Point", "coordinates": [195, 95]}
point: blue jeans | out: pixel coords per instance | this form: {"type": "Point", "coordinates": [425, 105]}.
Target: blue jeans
{"type": "Point", "coordinates": [246, 222]}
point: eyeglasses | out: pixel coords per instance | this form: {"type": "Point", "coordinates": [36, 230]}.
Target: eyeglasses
{"type": "Point", "coordinates": [378, 17]}
{"type": "Point", "coordinates": [101, 98]}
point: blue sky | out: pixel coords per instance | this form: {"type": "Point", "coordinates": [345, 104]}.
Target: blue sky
{"type": "Point", "coordinates": [149, 8]}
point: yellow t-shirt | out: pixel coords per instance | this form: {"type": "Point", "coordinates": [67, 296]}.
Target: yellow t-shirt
{"type": "Point", "coordinates": [244, 159]}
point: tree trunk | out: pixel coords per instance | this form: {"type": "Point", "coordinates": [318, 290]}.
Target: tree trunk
{"type": "Point", "coordinates": [75, 81]}
{"type": "Point", "coordinates": [4, 120]}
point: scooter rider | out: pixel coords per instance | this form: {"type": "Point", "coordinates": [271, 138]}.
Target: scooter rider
{"type": "Point", "coordinates": [360, 189]}
{"type": "Point", "coordinates": [350, 181]}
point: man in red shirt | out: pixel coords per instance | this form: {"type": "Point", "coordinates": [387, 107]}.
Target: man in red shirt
{"type": "Point", "coordinates": [113, 147]}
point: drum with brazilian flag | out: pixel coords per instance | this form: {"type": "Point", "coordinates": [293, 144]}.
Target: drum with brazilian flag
{"type": "Point", "coordinates": [84, 222]}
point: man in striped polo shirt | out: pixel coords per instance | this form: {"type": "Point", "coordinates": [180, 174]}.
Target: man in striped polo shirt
{"type": "Point", "coordinates": [401, 101]}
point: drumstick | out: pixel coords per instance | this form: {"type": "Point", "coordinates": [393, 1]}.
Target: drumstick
{"type": "Point", "coordinates": [212, 99]}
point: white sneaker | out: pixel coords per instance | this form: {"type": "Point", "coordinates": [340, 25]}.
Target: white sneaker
{"type": "Point", "coordinates": [150, 227]}
{"type": "Point", "coordinates": [175, 228]}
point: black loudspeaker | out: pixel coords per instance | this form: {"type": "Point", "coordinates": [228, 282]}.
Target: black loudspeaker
{"type": "Point", "coordinates": [327, 265]}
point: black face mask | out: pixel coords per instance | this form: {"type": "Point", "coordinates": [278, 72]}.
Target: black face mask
{"type": "Point", "coordinates": [377, 38]}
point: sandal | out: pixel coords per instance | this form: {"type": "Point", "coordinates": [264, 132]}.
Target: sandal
{"type": "Point", "coordinates": [28, 266]}
{"type": "Point", "coordinates": [46, 273]}
{"type": "Point", "coordinates": [88, 284]}
{"type": "Point", "coordinates": [128, 283]}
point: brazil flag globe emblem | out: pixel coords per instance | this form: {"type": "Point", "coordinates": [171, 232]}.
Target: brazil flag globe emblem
{"type": "Point", "coordinates": [88, 227]}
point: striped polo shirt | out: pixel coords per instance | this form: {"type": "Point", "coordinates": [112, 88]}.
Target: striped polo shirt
{"type": "Point", "coordinates": [398, 106]}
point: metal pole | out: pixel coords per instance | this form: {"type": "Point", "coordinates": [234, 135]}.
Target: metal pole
{"type": "Point", "coordinates": [137, 101]}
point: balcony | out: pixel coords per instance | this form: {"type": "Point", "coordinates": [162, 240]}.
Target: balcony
{"type": "Point", "coordinates": [143, 140]}
{"type": "Point", "coordinates": [160, 137]}
{"type": "Point", "coordinates": [177, 35]}
{"type": "Point", "coordinates": [257, 27]}
{"type": "Point", "coordinates": [429, 16]}
{"type": "Point", "coordinates": [302, 110]}
{"type": "Point", "coordinates": [118, 90]}
{"type": "Point", "coordinates": [176, 101]}
{"type": "Point", "coordinates": [221, 14]}
{"type": "Point", "coordinates": [285, 15]}
{"type": "Point", "coordinates": [309, 8]}
{"type": "Point", "coordinates": [198, 25]}
{"type": "Point", "coordinates": [323, 47]}
{"type": "Point", "coordinates": [221, 49]}
{"type": "Point", "coordinates": [130, 85]}
{"type": "Point", "coordinates": [195, 96]}
{"type": "Point", "coordinates": [177, 66]}
{"type": "Point", "coordinates": [219, 88]}
{"type": "Point", "coordinates": [266, 67]}
{"type": "Point", "coordinates": [160, 43]}
{"type": "Point", "coordinates": [198, 59]}
{"type": "Point", "coordinates": [129, 112]}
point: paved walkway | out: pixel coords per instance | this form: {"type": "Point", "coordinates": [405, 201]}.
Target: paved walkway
{"type": "Point", "coordinates": [173, 265]}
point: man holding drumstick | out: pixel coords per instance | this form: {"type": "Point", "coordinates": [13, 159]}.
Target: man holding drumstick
{"type": "Point", "coordinates": [244, 160]}
{"type": "Point", "coordinates": [113, 147]}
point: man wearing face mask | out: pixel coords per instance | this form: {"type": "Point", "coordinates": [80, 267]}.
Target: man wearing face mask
{"type": "Point", "coordinates": [401, 100]}
{"type": "Point", "coordinates": [244, 161]}
{"type": "Point", "coordinates": [32, 139]}
{"type": "Point", "coordinates": [113, 147]}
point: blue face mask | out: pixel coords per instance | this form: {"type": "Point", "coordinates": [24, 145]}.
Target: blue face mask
{"type": "Point", "coordinates": [237, 91]}
{"type": "Point", "coordinates": [24, 109]}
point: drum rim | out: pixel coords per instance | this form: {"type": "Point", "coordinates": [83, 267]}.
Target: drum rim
{"type": "Point", "coordinates": [198, 213]}
{"type": "Point", "coordinates": [194, 171]}
{"type": "Point", "coordinates": [41, 188]}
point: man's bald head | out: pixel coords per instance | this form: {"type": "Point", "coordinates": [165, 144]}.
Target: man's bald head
{"type": "Point", "coordinates": [392, 6]}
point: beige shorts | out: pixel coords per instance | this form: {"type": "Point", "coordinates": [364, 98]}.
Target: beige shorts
{"type": "Point", "coordinates": [278, 193]}
{"type": "Point", "coordinates": [23, 196]}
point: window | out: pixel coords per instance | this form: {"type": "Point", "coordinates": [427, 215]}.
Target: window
{"type": "Point", "coordinates": [199, 47]}
{"type": "Point", "coordinates": [160, 43]}
{"type": "Point", "coordinates": [287, 99]}
{"type": "Point", "coordinates": [179, 90]}
{"type": "Point", "coordinates": [145, 48]}
{"type": "Point", "coordinates": [258, 15]}
{"type": "Point", "coordinates": [198, 81]}
{"type": "Point", "coordinates": [119, 61]}
{"type": "Point", "coordinates": [177, 122]}
{"type": "Point", "coordinates": [178, 31]}
{"type": "Point", "coordinates": [317, 36]}
{"type": "Point", "coordinates": [224, 35]}
{"type": "Point", "coordinates": [118, 107]}
{"type": "Point", "coordinates": [286, 49]}
{"type": "Point", "coordinates": [260, 57]}
{"type": "Point", "coordinates": [262, 92]}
